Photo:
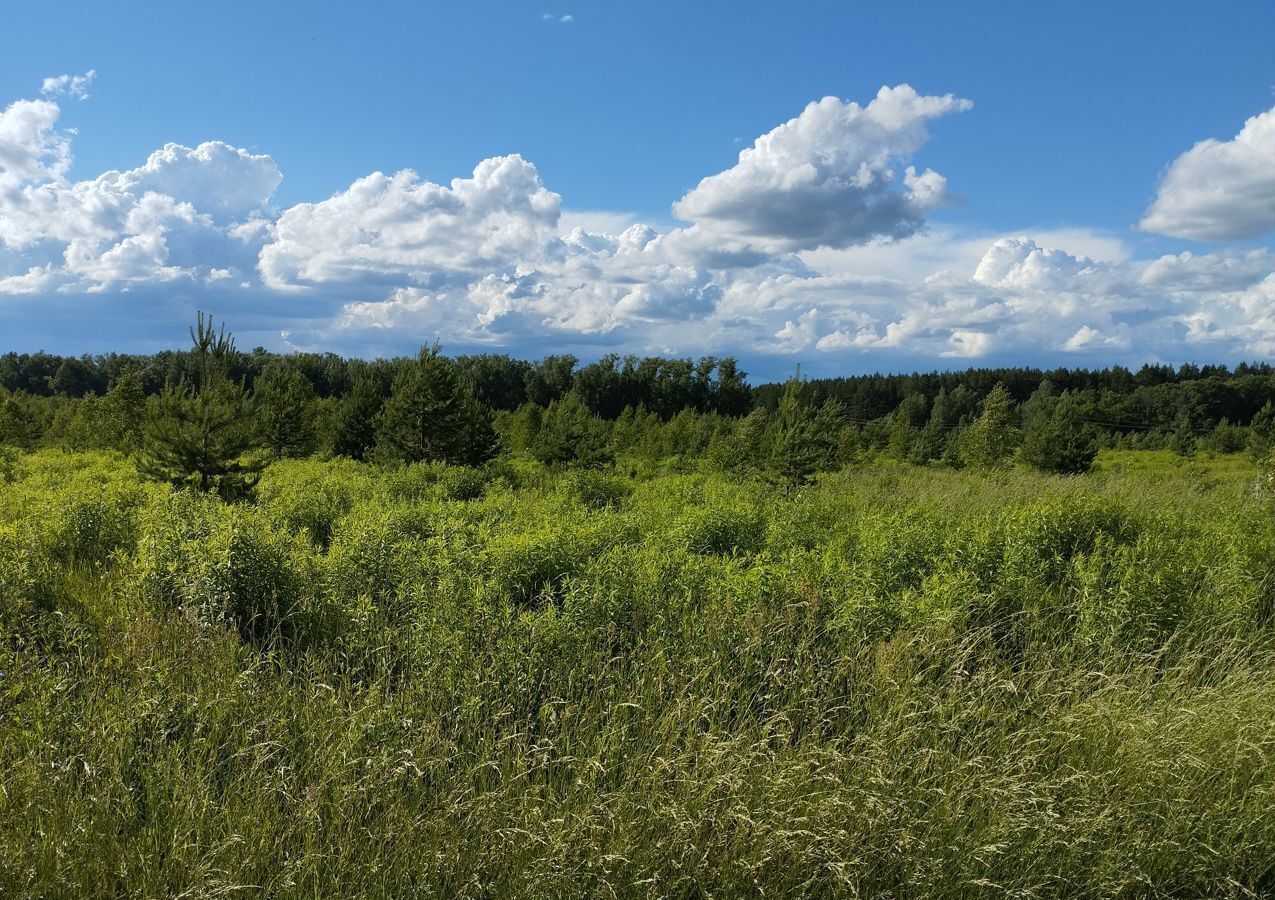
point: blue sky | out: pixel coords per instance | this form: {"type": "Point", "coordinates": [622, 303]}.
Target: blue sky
{"type": "Point", "coordinates": [1068, 220]}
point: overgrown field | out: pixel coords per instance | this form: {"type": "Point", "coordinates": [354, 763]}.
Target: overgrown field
{"type": "Point", "coordinates": [444, 682]}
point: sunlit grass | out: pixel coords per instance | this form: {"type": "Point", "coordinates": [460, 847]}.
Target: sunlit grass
{"type": "Point", "coordinates": [895, 682]}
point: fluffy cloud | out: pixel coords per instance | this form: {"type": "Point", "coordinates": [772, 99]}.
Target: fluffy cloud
{"type": "Point", "coordinates": [1220, 190]}
{"type": "Point", "coordinates": [827, 178]}
{"type": "Point", "coordinates": [809, 248]}
{"type": "Point", "coordinates": [1019, 264]}
{"type": "Point", "coordinates": [396, 226]}
{"type": "Point", "coordinates": [179, 214]}
{"type": "Point", "coordinates": [31, 149]}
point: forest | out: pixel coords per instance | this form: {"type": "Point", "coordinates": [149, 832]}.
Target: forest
{"type": "Point", "coordinates": [649, 410]}
{"type": "Point", "coordinates": [299, 626]}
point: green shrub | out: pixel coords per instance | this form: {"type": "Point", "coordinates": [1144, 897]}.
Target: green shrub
{"type": "Point", "coordinates": [526, 568]}
{"type": "Point", "coordinates": [312, 496]}
{"type": "Point", "coordinates": [721, 529]}
{"type": "Point", "coordinates": [26, 574]}
{"type": "Point", "coordinates": [231, 565]}
{"type": "Point", "coordinates": [594, 489]}
{"type": "Point", "coordinates": [378, 549]}
{"type": "Point", "coordinates": [463, 483]}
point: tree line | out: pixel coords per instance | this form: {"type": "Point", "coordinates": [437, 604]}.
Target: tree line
{"type": "Point", "coordinates": [214, 416]}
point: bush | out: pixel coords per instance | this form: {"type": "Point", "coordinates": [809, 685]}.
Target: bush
{"type": "Point", "coordinates": [231, 565]}
{"type": "Point", "coordinates": [721, 529]}
{"type": "Point", "coordinates": [310, 496]}
{"type": "Point", "coordinates": [527, 568]}
{"type": "Point", "coordinates": [594, 489]}
{"type": "Point", "coordinates": [464, 483]}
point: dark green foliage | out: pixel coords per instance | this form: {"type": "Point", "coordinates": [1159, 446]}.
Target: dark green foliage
{"type": "Point", "coordinates": [285, 411]}
{"type": "Point", "coordinates": [77, 377]}
{"type": "Point", "coordinates": [199, 432]}
{"type": "Point", "coordinates": [354, 430]}
{"type": "Point", "coordinates": [499, 381]}
{"type": "Point", "coordinates": [550, 379]}
{"type": "Point", "coordinates": [433, 415]}
{"type": "Point", "coordinates": [1058, 440]}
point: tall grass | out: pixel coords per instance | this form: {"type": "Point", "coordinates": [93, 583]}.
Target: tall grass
{"type": "Point", "coordinates": [909, 683]}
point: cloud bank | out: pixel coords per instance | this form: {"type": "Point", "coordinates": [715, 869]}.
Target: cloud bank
{"type": "Point", "coordinates": [815, 245]}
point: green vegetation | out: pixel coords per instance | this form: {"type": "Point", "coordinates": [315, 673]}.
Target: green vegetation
{"type": "Point", "coordinates": [512, 681]}
{"type": "Point", "coordinates": [542, 648]}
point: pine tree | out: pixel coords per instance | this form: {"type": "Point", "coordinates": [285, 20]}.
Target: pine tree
{"type": "Point", "coordinates": [433, 415]}
{"type": "Point", "coordinates": [570, 434]}
{"type": "Point", "coordinates": [354, 429]}
{"type": "Point", "coordinates": [1058, 439]}
{"type": "Point", "coordinates": [990, 441]}
{"type": "Point", "coordinates": [826, 431]}
{"type": "Point", "coordinates": [794, 454]}
{"type": "Point", "coordinates": [198, 432]}
{"type": "Point", "coordinates": [1182, 440]}
{"type": "Point", "coordinates": [285, 411]}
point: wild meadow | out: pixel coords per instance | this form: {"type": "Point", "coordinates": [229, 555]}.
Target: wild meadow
{"type": "Point", "coordinates": [520, 680]}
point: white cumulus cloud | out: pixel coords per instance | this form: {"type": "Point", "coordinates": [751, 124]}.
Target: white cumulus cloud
{"type": "Point", "coordinates": [174, 216]}
{"type": "Point", "coordinates": [827, 178]}
{"type": "Point", "coordinates": [1220, 190]}
{"type": "Point", "coordinates": [810, 248]}
{"type": "Point", "coordinates": [399, 227]}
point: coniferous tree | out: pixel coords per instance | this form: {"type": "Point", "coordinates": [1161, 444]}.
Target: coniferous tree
{"type": "Point", "coordinates": [990, 441]}
{"type": "Point", "coordinates": [1058, 439]}
{"type": "Point", "coordinates": [284, 400]}
{"type": "Point", "coordinates": [733, 394]}
{"type": "Point", "coordinates": [826, 431]}
{"type": "Point", "coordinates": [199, 431]}
{"type": "Point", "coordinates": [1182, 440]}
{"type": "Point", "coordinates": [794, 453]}
{"type": "Point", "coordinates": [354, 426]}
{"type": "Point", "coordinates": [432, 415]}
{"type": "Point", "coordinates": [570, 434]}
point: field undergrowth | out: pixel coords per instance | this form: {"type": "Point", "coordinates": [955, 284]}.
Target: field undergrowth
{"type": "Point", "coordinates": [446, 682]}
